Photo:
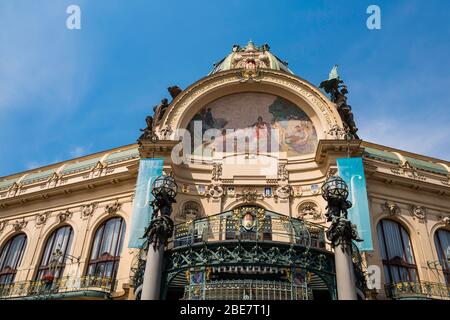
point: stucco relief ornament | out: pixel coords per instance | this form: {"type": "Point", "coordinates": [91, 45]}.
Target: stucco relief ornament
{"type": "Point", "coordinates": [112, 208]}
{"type": "Point", "coordinates": [2, 225]}
{"type": "Point", "coordinates": [216, 172]}
{"type": "Point", "coordinates": [390, 208]}
{"type": "Point", "coordinates": [215, 191]}
{"type": "Point", "coordinates": [249, 195]}
{"type": "Point", "coordinates": [445, 220]}
{"type": "Point", "coordinates": [41, 219]}
{"type": "Point", "coordinates": [12, 191]}
{"type": "Point", "coordinates": [283, 192]}
{"type": "Point", "coordinates": [64, 216]}
{"type": "Point", "coordinates": [419, 212]}
{"type": "Point", "coordinates": [53, 180]}
{"type": "Point", "coordinates": [283, 173]}
{"type": "Point", "coordinates": [19, 225]}
{"type": "Point", "coordinates": [310, 209]}
{"type": "Point", "coordinates": [337, 133]}
{"type": "Point", "coordinates": [88, 209]}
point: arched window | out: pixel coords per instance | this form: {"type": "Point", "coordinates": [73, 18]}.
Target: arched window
{"type": "Point", "coordinates": [442, 241]}
{"type": "Point", "coordinates": [11, 257]}
{"type": "Point", "coordinates": [55, 254]}
{"type": "Point", "coordinates": [396, 250]}
{"type": "Point", "coordinates": [106, 249]}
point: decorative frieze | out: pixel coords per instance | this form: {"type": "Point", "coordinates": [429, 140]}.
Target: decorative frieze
{"type": "Point", "coordinates": [248, 195]}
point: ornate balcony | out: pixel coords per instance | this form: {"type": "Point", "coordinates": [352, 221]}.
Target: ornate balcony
{"type": "Point", "coordinates": [62, 288]}
{"type": "Point", "coordinates": [249, 224]}
{"type": "Point", "coordinates": [417, 290]}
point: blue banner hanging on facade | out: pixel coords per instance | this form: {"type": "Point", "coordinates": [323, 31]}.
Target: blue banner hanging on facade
{"type": "Point", "coordinates": [149, 170]}
{"type": "Point", "coordinates": [352, 171]}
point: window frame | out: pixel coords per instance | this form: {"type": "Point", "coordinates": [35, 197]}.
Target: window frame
{"type": "Point", "coordinates": [392, 262]}
{"type": "Point", "coordinates": [60, 267]}
{"type": "Point", "coordinates": [12, 270]}
{"type": "Point", "coordinates": [100, 260]}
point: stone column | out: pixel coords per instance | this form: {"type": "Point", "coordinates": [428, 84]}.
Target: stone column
{"type": "Point", "coordinates": [152, 276]}
{"type": "Point", "coordinates": [341, 234]}
{"type": "Point", "coordinates": [159, 230]}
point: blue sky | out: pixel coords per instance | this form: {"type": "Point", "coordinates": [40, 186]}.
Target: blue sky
{"type": "Point", "coordinates": [67, 93]}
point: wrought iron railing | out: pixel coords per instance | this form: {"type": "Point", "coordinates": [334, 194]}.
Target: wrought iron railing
{"type": "Point", "coordinates": [247, 290]}
{"type": "Point", "coordinates": [249, 224]}
{"type": "Point", "coordinates": [417, 290]}
{"type": "Point", "coordinates": [44, 289]}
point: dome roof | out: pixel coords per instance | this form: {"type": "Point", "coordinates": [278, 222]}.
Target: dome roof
{"type": "Point", "coordinates": [251, 57]}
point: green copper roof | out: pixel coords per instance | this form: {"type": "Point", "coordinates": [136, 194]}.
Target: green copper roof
{"type": "Point", "coordinates": [38, 176]}
{"type": "Point", "coordinates": [122, 155]}
{"type": "Point", "coordinates": [427, 166]}
{"type": "Point", "coordinates": [5, 184]}
{"type": "Point", "coordinates": [80, 166]}
{"type": "Point", "coordinates": [381, 155]}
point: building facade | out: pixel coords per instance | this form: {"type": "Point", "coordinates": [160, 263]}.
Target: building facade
{"type": "Point", "coordinates": [249, 218]}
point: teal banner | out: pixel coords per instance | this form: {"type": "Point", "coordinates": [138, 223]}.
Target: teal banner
{"type": "Point", "coordinates": [149, 170]}
{"type": "Point", "coordinates": [352, 171]}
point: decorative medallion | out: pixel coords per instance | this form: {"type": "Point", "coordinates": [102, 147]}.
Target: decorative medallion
{"type": "Point", "coordinates": [283, 192]}
{"type": "Point", "coordinates": [64, 216]}
{"type": "Point", "coordinates": [215, 191]}
{"type": "Point", "coordinates": [309, 209]}
{"type": "Point", "coordinates": [419, 212]}
{"type": "Point", "coordinates": [390, 208]}
{"type": "Point", "coordinates": [112, 208]}
{"type": "Point", "coordinates": [88, 209]}
{"type": "Point", "coordinates": [41, 219]}
{"type": "Point", "coordinates": [315, 188]}
{"type": "Point", "coordinates": [19, 225]}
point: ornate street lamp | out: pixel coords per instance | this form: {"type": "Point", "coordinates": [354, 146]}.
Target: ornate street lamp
{"type": "Point", "coordinates": [341, 233]}
{"type": "Point", "coordinates": [160, 229]}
